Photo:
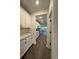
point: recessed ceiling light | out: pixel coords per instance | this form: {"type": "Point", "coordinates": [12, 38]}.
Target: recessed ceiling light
{"type": "Point", "coordinates": [37, 2]}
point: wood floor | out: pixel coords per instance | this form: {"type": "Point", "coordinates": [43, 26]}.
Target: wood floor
{"type": "Point", "coordinates": [38, 51]}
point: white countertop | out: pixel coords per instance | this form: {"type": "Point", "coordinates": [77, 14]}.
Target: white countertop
{"type": "Point", "coordinates": [22, 36]}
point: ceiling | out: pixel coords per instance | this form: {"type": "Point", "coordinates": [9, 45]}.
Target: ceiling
{"type": "Point", "coordinates": [42, 19]}
{"type": "Point", "coordinates": [31, 6]}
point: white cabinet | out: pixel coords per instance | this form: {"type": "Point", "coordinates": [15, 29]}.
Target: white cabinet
{"type": "Point", "coordinates": [25, 18]}
{"type": "Point", "coordinates": [28, 20]}
{"type": "Point", "coordinates": [22, 47]}
{"type": "Point", "coordinates": [27, 41]}
{"type": "Point", "coordinates": [37, 34]}
{"type": "Point", "coordinates": [25, 44]}
{"type": "Point", "coordinates": [22, 17]}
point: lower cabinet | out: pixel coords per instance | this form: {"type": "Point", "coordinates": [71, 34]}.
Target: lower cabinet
{"type": "Point", "coordinates": [22, 47]}
{"type": "Point", "coordinates": [25, 44]}
{"type": "Point", "coordinates": [37, 34]}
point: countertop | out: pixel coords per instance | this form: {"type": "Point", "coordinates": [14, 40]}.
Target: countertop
{"type": "Point", "coordinates": [24, 35]}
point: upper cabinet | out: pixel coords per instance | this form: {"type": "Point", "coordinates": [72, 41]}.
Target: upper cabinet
{"type": "Point", "coordinates": [22, 17]}
{"type": "Point", "coordinates": [25, 18]}
{"type": "Point", "coordinates": [28, 20]}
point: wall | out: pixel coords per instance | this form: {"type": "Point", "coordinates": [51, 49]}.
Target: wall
{"type": "Point", "coordinates": [54, 41]}
{"type": "Point", "coordinates": [54, 38]}
{"type": "Point", "coordinates": [48, 34]}
{"type": "Point", "coordinates": [48, 24]}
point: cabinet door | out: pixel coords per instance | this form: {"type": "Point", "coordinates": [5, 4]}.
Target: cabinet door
{"type": "Point", "coordinates": [26, 44]}
{"type": "Point", "coordinates": [28, 18]}
{"type": "Point", "coordinates": [22, 17]}
{"type": "Point", "coordinates": [30, 40]}
{"type": "Point", "coordinates": [22, 46]}
{"type": "Point", "coordinates": [25, 18]}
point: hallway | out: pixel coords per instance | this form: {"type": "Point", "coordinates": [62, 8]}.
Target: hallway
{"type": "Point", "coordinates": [38, 51]}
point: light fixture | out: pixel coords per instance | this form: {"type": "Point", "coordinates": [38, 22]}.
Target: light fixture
{"type": "Point", "coordinates": [37, 2]}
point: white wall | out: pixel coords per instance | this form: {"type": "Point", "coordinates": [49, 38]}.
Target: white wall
{"type": "Point", "coordinates": [48, 34]}
{"type": "Point", "coordinates": [54, 41]}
